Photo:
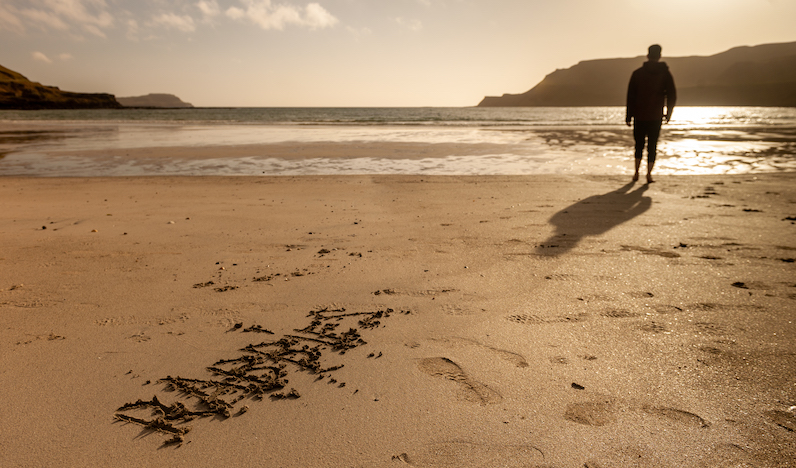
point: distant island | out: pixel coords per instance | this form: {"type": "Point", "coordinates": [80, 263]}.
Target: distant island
{"type": "Point", "coordinates": [763, 75]}
{"type": "Point", "coordinates": [154, 100]}
{"type": "Point", "coordinates": [18, 92]}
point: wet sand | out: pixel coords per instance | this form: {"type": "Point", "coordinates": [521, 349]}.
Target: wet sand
{"type": "Point", "coordinates": [109, 149]}
{"type": "Point", "coordinates": [389, 321]}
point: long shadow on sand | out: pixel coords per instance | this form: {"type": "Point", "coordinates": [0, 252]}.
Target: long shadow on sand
{"type": "Point", "coordinates": [593, 216]}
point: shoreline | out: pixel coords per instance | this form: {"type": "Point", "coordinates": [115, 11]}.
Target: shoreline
{"type": "Point", "coordinates": [408, 141]}
{"type": "Point", "coordinates": [556, 320]}
{"type": "Point", "coordinates": [527, 152]}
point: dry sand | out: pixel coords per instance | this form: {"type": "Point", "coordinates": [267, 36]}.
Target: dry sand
{"type": "Point", "coordinates": [536, 321]}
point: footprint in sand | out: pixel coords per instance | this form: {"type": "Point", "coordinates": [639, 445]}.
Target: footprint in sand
{"type": "Point", "coordinates": [462, 454]}
{"type": "Point", "coordinates": [456, 310]}
{"type": "Point", "coordinates": [646, 251]}
{"type": "Point", "coordinates": [603, 412]}
{"type": "Point", "coordinates": [618, 313]}
{"type": "Point", "coordinates": [640, 294]}
{"type": "Point", "coordinates": [530, 319]}
{"type": "Point", "coordinates": [472, 390]}
{"type": "Point", "coordinates": [710, 328]}
{"type": "Point", "coordinates": [711, 306]}
{"type": "Point", "coordinates": [414, 293]}
{"type": "Point", "coordinates": [676, 415]}
{"type": "Point", "coordinates": [140, 337]}
{"type": "Point", "coordinates": [507, 356]}
{"type": "Point", "coordinates": [596, 298]}
{"type": "Point", "coordinates": [653, 327]}
{"type": "Point", "coordinates": [751, 285]}
{"type": "Point", "coordinates": [591, 413]}
{"type": "Point", "coordinates": [35, 304]}
{"type": "Point", "coordinates": [561, 277]}
{"type": "Point", "coordinates": [782, 419]}
{"type": "Point", "coordinates": [50, 337]}
{"type": "Point", "coordinates": [667, 309]}
{"type": "Point", "coordinates": [729, 455]}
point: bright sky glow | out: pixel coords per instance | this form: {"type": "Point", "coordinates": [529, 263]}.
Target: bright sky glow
{"type": "Point", "coordinates": [356, 52]}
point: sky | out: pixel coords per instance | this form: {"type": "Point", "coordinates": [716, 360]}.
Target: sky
{"type": "Point", "coordinates": [357, 53]}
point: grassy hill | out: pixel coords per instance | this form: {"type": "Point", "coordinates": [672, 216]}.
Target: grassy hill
{"type": "Point", "coordinates": [17, 92]}
{"type": "Point", "coordinates": [763, 75]}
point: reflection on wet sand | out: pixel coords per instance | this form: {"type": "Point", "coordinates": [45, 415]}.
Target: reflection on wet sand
{"type": "Point", "coordinates": [146, 149]}
{"type": "Point", "coordinates": [24, 136]}
{"type": "Point", "coordinates": [49, 138]}
{"type": "Point", "coordinates": [720, 150]}
{"type": "Point", "coordinates": [783, 139]}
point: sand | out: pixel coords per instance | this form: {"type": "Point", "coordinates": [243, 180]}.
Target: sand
{"type": "Point", "coordinates": [525, 321]}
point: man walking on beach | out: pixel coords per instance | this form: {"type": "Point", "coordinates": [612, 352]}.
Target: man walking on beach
{"type": "Point", "coordinates": [651, 88]}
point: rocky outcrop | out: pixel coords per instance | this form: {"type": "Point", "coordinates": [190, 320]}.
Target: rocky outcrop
{"type": "Point", "coordinates": [154, 100]}
{"type": "Point", "coordinates": [17, 92]}
{"type": "Point", "coordinates": [763, 75]}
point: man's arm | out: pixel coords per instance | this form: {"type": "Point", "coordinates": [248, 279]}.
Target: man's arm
{"type": "Point", "coordinates": [671, 97]}
{"type": "Point", "coordinates": [631, 100]}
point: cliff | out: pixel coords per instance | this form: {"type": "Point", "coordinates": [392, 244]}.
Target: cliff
{"type": "Point", "coordinates": [17, 92]}
{"type": "Point", "coordinates": [763, 75]}
{"type": "Point", "coordinates": [154, 100]}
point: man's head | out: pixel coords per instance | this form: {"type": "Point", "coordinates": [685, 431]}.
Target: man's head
{"type": "Point", "coordinates": [654, 53]}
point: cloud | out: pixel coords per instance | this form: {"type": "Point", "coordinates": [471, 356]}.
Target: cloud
{"type": "Point", "coordinates": [414, 25]}
{"type": "Point", "coordinates": [41, 57]}
{"type": "Point", "coordinates": [209, 9]}
{"type": "Point", "coordinates": [89, 16]}
{"type": "Point", "coordinates": [65, 56]}
{"type": "Point", "coordinates": [132, 30]}
{"type": "Point", "coordinates": [359, 32]}
{"type": "Point", "coordinates": [9, 19]}
{"type": "Point", "coordinates": [235, 13]}
{"type": "Point", "coordinates": [267, 15]}
{"type": "Point", "coordinates": [44, 19]}
{"type": "Point", "coordinates": [170, 20]}
{"type": "Point", "coordinates": [82, 18]}
{"type": "Point", "coordinates": [93, 30]}
{"type": "Point", "coordinates": [318, 18]}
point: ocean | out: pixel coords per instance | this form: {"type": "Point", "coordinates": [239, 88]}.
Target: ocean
{"type": "Point", "coordinates": [454, 141]}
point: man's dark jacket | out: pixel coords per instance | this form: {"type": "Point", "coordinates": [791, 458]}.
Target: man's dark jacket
{"type": "Point", "coordinates": [651, 88]}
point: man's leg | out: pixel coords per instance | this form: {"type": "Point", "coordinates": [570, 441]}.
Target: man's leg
{"type": "Point", "coordinates": [653, 133]}
{"type": "Point", "coordinates": [639, 135]}
{"type": "Point", "coordinates": [638, 166]}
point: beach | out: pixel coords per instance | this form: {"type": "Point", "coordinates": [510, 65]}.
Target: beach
{"type": "Point", "coordinates": [546, 320]}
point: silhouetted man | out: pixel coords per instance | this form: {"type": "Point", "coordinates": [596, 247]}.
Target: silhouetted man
{"type": "Point", "coordinates": [651, 89]}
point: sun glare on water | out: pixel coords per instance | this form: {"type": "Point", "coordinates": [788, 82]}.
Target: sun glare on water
{"type": "Point", "coordinates": [728, 140]}
{"type": "Point", "coordinates": [730, 116]}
